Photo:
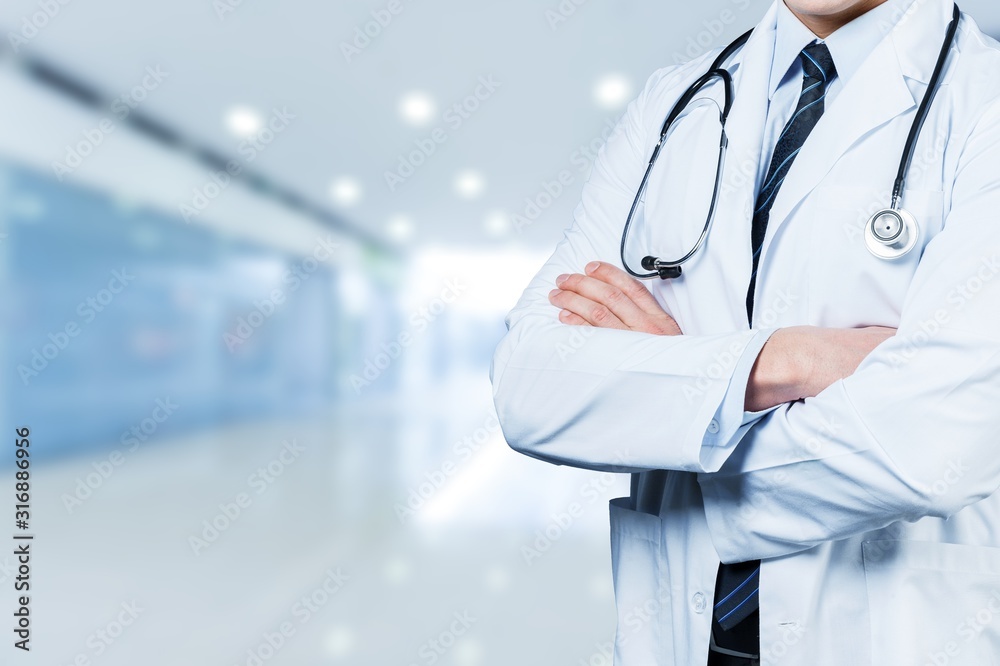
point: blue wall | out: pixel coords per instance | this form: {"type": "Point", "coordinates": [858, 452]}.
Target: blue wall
{"type": "Point", "coordinates": [162, 336]}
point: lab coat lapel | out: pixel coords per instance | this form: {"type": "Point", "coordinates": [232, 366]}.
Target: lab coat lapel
{"type": "Point", "coordinates": [746, 121]}
{"type": "Point", "coordinates": [731, 256]}
{"type": "Point", "coordinates": [876, 94]}
{"type": "Point", "coordinates": [930, 19]}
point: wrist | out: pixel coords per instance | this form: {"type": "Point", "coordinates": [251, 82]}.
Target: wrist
{"type": "Point", "coordinates": [783, 369]}
{"type": "Point", "coordinates": [803, 354]}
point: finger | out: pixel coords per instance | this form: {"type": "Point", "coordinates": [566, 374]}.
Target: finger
{"type": "Point", "coordinates": [571, 318]}
{"type": "Point", "coordinates": [637, 293]}
{"type": "Point", "coordinates": [595, 314]}
{"type": "Point", "coordinates": [606, 294]}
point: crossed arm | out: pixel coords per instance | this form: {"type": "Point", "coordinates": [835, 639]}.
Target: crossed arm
{"type": "Point", "coordinates": [826, 469]}
{"type": "Point", "coordinates": [795, 363]}
{"type": "Point", "coordinates": [894, 413]}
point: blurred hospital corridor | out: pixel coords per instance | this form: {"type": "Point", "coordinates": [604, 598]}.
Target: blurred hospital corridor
{"type": "Point", "coordinates": [255, 258]}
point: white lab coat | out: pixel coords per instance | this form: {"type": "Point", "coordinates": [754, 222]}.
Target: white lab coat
{"type": "Point", "coordinates": [872, 505]}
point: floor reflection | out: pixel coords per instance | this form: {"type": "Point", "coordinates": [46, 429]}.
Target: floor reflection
{"type": "Point", "coordinates": [284, 543]}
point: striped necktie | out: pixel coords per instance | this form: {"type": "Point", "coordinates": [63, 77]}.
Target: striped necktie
{"type": "Point", "coordinates": [819, 71]}
{"type": "Point", "coordinates": [738, 584]}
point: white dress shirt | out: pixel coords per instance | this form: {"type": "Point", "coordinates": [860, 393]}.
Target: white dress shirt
{"type": "Point", "coordinates": [850, 46]}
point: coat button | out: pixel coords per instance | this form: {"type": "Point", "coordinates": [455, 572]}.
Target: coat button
{"type": "Point", "coordinates": [713, 427]}
{"type": "Point", "coordinates": [698, 602]}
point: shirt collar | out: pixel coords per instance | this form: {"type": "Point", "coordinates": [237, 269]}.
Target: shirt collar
{"type": "Point", "coordinates": [850, 46]}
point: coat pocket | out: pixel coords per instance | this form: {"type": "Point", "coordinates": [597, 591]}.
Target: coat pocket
{"type": "Point", "coordinates": [637, 566]}
{"type": "Point", "coordinates": [848, 285]}
{"type": "Point", "coordinates": [933, 603]}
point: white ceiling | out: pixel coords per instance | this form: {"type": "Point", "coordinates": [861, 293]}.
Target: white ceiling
{"type": "Point", "coordinates": [270, 54]}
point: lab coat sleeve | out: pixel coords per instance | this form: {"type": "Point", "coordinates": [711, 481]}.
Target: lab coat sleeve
{"type": "Point", "coordinates": [915, 431]}
{"type": "Point", "coordinates": [607, 399]}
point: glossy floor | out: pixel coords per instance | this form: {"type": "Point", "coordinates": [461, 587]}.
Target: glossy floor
{"type": "Point", "coordinates": [319, 547]}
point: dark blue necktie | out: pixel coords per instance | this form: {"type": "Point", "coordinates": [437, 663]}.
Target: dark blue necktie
{"type": "Point", "coordinates": [738, 584]}
{"type": "Point", "coordinates": [819, 71]}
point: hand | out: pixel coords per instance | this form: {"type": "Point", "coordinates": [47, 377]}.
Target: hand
{"type": "Point", "coordinates": [607, 297]}
{"type": "Point", "coordinates": [801, 361]}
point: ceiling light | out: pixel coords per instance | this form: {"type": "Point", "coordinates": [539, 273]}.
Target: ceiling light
{"type": "Point", "coordinates": [400, 228]}
{"type": "Point", "coordinates": [497, 223]}
{"type": "Point", "coordinates": [469, 184]}
{"type": "Point", "coordinates": [416, 108]}
{"type": "Point", "coordinates": [243, 121]}
{"type": "Point", "coordinates": [612, 91]}
{"type": "Point", "coordinates": [346, 191]}
{"type": "Point", "coordinates": [340, 641]}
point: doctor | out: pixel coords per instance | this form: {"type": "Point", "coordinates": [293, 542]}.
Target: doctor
{"type": "Point", "coordinates": [811, 418]}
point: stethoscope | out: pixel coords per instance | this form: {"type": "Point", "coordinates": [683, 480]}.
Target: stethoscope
{"type": "Point", "coordinates": [889, 234]}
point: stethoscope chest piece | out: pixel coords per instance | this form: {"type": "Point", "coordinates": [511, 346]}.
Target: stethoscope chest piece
{"type": "Point", "coordinates": [891, 233]}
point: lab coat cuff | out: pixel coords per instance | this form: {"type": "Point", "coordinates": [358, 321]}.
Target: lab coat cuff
{"type": "Point", "coordinates": [732, 421]}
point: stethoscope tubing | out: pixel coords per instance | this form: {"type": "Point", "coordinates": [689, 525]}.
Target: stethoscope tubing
{"type": "Point", "coordinates": [664, 268]}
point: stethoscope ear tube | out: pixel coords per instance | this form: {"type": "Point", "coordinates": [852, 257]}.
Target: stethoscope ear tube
{"type": "Point", "coordinates": [892, 233]}
{"type": "Point", "coordinates": [667, 270]}
{"type": "Point", "coordinates": [631, 214]}
{"type": "Point", "coordinates": [922, 111]}
{"type": "Point", "coordinates": [664, 269]}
